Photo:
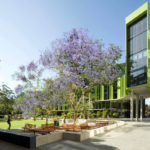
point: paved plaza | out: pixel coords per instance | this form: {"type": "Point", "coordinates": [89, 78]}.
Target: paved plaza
{"type": "Point", "coordinates": [132, 136]}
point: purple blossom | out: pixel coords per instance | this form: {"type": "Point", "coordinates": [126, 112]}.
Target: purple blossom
{"type": "Point", "coordinates": [21, 77]}
{"type": "Point", "coordinates": [19, 89]}
{"type": "Point", "coordinates": [40, 72]}
{"type": "Point", "coordinates": [80, 62]}
{"type": "Point", "coordinates": [31, 76]}
{"type": "Point", "coordinates": [46, 59]}
{"type": "Point", "coordinates": [22, 68]}
{"type": "Point", "coordinates": [31, 67]}
{"type": "Point", "coordinates": [24, 78]}
{"type": "Point", "coordinates": [82, 58]}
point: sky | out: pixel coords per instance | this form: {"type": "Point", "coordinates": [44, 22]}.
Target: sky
{"type": "Point", "coordinates": [28, 27]}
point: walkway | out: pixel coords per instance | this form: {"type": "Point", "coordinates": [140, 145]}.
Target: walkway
{"type": "Point", "coordinates": [133, 136]}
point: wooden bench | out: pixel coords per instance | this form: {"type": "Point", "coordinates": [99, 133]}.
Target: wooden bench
{"type": "Point", "coordinates": [41, 131]}
{"type": "Point", "coordinates": [66, 127]}
{"type": "Point", "coordinates": [50, 127]}
{"type": "Point", "coordinates": [101, 123]}
{"type": "Point", "coordinates": [44, 129]}
{"type": "Point", "coordinates": [28, 127]}
{"type": "Point", "coordinates": [84, 126]}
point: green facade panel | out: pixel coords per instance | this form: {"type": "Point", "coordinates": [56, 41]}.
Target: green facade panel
{"type": "Point", "coordinates": [96, 93]}
{"type": "Point", "coordinates": [121, 90]}
{"type": "Point", "coordinates": [118, 88]}
{"type": "Point", "coordinates": [110, 91]}
{"type": "Point", "coordinates": [101, 92]}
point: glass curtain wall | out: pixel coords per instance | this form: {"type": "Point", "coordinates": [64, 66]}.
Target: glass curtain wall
{"type": "Point", "coordinates": [137, 52]}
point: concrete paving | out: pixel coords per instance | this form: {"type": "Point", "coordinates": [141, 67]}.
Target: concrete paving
{"type": "Point", "coordinates": [132, 136]}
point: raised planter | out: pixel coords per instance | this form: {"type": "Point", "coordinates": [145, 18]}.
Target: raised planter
{"type": "Point", "coordinates": [48, 138]}
{"type": "Point", "coordinates": [74, 136]}
{"type": "Point", "coordinates": [21, 139]}
{"type": "Point", "coordinates": [32, 141]}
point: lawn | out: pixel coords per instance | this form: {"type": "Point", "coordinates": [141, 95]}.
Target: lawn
{"type": "Point", "coordinates": [19, 123]}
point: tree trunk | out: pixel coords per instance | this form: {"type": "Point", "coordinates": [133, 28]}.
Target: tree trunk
{"type": "Point", "coordinates": [75, 117]}
{"type": "Point", "coordinates": [47, 119]}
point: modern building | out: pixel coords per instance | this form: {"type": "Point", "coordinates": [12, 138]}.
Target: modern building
{"type": "Point", "coordinates": [127, 95]}
{"type": "Point", "coordinates": [138, 58]}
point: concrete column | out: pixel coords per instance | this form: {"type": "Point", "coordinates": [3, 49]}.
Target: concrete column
{"type": "Point", "coordinates": [137, 108]}
{"type": "Point", "coordinates": [131, 108]}
{"type": "Point", "coordinates": [141, 109]}
{"type": "Point", "coordinates": [121, 108]}
{"type": "Point", "coordinates": [110, 105]}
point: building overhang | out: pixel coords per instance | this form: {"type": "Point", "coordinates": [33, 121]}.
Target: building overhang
{"type": "Point", "coordinates": [115, 100]}
{"type": "Point", "coordinates": [137, 14]}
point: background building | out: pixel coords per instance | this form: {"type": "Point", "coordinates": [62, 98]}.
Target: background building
{"type": "Point", "coordinates": [127, 95]}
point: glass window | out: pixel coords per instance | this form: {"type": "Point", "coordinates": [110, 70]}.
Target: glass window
{"type": "Point", "coordinates": [144, 53]}
{"type": "Point", "coordinates": [140, 55]}
{"type": "Point", "coordinates": [134, 30]}
{"type": "Point", "coordinates": [144, 41]}
{"type": "Point", "coordinates": [135, 57]}
{"type": "Point", "coordinates": [137, 52]}
{"type": "Point", "coordinates": [144, 23]}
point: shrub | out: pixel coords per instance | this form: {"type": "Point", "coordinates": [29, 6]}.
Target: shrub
{"type": "Point", "coordinates": [115, 114]}
{"type": "Point", "coordinates": [98, 114]}
{"type": "Point", "coordinates": [63, 115]}
{"type": "Point", "coordinates": [111, 114]}
{"type": "Point", "coordinates": [105, 113]}
{"type": "Point", "coordinates": [70, 115]}
{"type": "Point", "coordinates": [92, 115]}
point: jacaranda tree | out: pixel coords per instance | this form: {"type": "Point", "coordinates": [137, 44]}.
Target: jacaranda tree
{"type": "Point", "coordinates": [35, 95]}
{"type": "Point", "coordinates": [82, 62]}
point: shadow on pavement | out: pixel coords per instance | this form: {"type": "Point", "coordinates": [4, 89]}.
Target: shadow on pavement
{"type": "Point", "coordinates": [70, 145]}
{"type": "Point", "coordinates": [9, 146]}
{"type": "Point", "coordinates": [142, 125]}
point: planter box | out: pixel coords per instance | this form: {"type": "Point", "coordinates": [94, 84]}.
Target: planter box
{"type": "Point", "coordinates": [48, 138]}
{"type": "Point", "coordinates": [32, 141]}
{"type": "Point", "coordinates": [22, 139]}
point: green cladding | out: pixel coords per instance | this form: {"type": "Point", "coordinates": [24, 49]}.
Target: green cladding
{"type": "Point", "coordinates": [99, 92]}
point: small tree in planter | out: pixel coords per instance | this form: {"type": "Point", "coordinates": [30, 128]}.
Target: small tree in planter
{"type": "Point", "coordinates": [82, 62]}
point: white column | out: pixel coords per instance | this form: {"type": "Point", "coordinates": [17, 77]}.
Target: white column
{"type": "Point", "coordinates": [141, 109]}
{"type": "Point", "coordinates": [131, 108]}
{"type": "Point", "coordinates": [137, 108]}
